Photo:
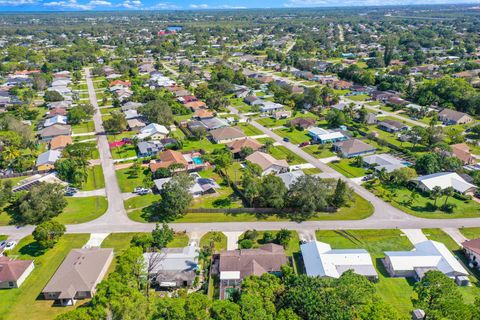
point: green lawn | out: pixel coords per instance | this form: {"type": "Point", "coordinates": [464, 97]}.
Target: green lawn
{"type": "Point", "coordinates": [359, 97]}
{"type": "Point", "coordinates": [179, 240]}
{"type": "Point", "coordinates": [471, 233]}
{"type": "Point", "coordinates": [423, 206]}
{"type": "Point", "coordinates": [80, 210]}
{"type": "Point", "coordinates": [82, 138]}
{"type": "Point", "coordinates": [312, 171]}
{"type": "Point", "coordinates": [105, 111]}
{"type": "Point", "coordinates": [395, 291]}
{"type": "Point", "coordinates": [295, 136]}
{"type": "Point", "coordinates": [120, 136]}
{"type": "Point", "coordinates": [319, 151]}
{"type": "Point", "coordinates": [292, 247]}
{"type": "Point", "coordinates": [22, 303]}
{"type": "Point", "coordinates": [440, 236]}
{"type": "Point", "coordinates": [281, 152]}
{"type": "Point", "coordinates": [205, 144]}
{"type": "Point", "coordinates": [125, 151]}
{"type": "Point", "coordinates": [95, 179]}
{"type": "Point", "coordinates": [139, 202]}
{"type": "Point", "coordinates": [249, 130]}
{"type": "Point", "coordinates": [218, 238]}
{"type": "Point", "coordinates": [127, 179]}
{"type": "Point", "coordinates": [224, 198]}
{"type": "Point", "coordinates": [119, 242]}
{"type": "Point", "coordinates": [83, 127]}
{"type": "Point", "coordinates": [346, 167]}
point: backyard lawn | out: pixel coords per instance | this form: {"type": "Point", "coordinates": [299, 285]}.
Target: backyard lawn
{"type": "Point", "coordinates": [249, 130]}
{"type": "Point", "coordinates": [347, 168]}
{"type": "Point", "coordinates": [422, 206]}
{"type": "Point", "coordinates": [129, 180]}
{"type": "Point", "coordinates": [319, 151]}
{"type": "Point", "coordinates": [359, 97]}
{"type": "Point", "coordinates": [205, 144]}
{"type": "Point", "coordinates": [22, 303]}
{"type": "Point", "coordinates": [95, 179]}
{"type": "Point", "coordinates": [83, 127]}
{"type": "Point", "coordinates": [395, 291]}
{"type": "Point", "coordinates": [80, 210]}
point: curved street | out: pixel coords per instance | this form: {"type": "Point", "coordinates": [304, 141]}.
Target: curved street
{"type": "Point", "coordinates": [115, 219]}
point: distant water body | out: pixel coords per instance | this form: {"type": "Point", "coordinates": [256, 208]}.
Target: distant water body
{"type": "Point", "coordinates": [174, 28]}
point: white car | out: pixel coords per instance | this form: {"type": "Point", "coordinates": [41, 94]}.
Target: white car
{"type": "Point", "coordinates": [8, 245]}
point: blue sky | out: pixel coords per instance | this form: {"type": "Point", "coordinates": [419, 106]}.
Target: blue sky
{"type": "Point", "coordinates": [85, 5]}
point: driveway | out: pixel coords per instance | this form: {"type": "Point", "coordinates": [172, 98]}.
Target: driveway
{"type": "Point", "coordinates": [92, 193]}
{"type": "Point", "coordinates": [414, 235]}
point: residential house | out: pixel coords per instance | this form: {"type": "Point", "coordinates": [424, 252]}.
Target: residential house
{"type": "Point", "coordinates": [55, 120]}
{"type": "Point", "coordinates": [289, 178]}
{"type": "Point", "coordinates": [382, 95]}
{"type": "Point", "coordinates": [195, 105]}
{"type": "Point", "coordinates": [451, 117]}
{"type": "Point", "coordinates": [353, 148]}
{"type": "Point", "coordinates": [78, 275]}
{"type": "Point", "coordinates": [46, 160]}
{"type": "Point", "coordinates": [427, 255]}
{"type": "Point", "coordinates": [49, 133]}
{"type": "Point", "coordinates": [154, 131]}
{"type": "Point", "coordinates": [149, 148]}
{"type": "Point", "coordinates": [59, 104]}
{"type": "Point", "coordinates": [202, 114]}
{"type": "Point", "coordinates": [322, 136]}
{"type": "Point", "coordinates": [173, 267]}
{"type": "Point", "coordinates": [320, 260]}
{"type": "Point", "coordinates": [444, 180]}
{"type": "Point", "coordinates": [56, 112]}
{"type": "Point", "coordinates": [131, 106]}
{"type": "Point", "coordinates": [201, 186]}
{"type": "Point", "coordinates": [250, 99]}
{"type": "Point", "coordinates": [462, 152]}
{"type": "Point", "coordinates": [384, 161]}
{"type": "Point", "coordinates": [136, 124]}
{"type": "Point", "coordinates": [14, 272]}
{"type": "Point", "coordinates": [303, 123]}
{"type": "Point", "coordinates": [237, 145]}
{"type": "Point", "coordinates": [472, 252]}
{"type": "Point", "coordinates": [60, 142]}
{"type": "Point", "coordinates": [226, 135]}
{"type": "Point", "coordinates": [268, 163]}
{"type": "Point", "coordinates": [392, 126]}
{"type": "Point", "coordinates": [271, 107]}
{"type": "Point", "coordinates": [396, 101]}
{"type": "Point", "coordinates": [214, 123]}
{"type": "Point", "coordinates": [234, 265]}
{"type": "Point", "coordinates": [191, 161]}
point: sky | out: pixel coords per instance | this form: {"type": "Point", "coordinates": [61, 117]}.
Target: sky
{"type": "Point", "coordinates": [91, 5]}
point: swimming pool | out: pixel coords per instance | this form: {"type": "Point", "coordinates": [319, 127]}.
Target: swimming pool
{"type": "Point", "coordinates": [197, 160]}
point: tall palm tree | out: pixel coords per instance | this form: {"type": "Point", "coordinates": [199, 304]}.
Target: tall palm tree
{"type": "Point", "coordinates": [435, 193]}
{"type": "Point", "coordinates": [448, 192]}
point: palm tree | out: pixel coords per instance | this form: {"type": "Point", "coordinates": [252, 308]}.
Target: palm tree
{"type": "Point", "coordinates": [448, 192]}
{"type": "Point", "coordinates": [435, 193]}
{"type": "Point", "coordinates": [10, 153]}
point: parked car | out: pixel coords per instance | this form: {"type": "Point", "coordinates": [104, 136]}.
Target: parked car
{"type": "Point", "coordinates": [70, 191]}
{"type": "Point", "coordinates": [304, 144]}
{"type": "Point", "coordinates": [286, 139]}
{"type": "Point", "coordinates": [142, 191]}
{"type": "Point", "coordinates": [8, 245]}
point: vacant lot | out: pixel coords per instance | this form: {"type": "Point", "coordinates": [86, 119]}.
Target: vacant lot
{"type": "Point", "coordinates": [80, 210]}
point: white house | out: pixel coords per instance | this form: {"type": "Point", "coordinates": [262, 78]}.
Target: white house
{"type": "Point", "coordinates": [321, 260]}
{"type": "Point", "coordinates": [384, 161]}
{"type": "Point", "coordinates": [427, 255]}
{"type": "Point", "coordinates": [444, 180]}
{"type": "Point", "coordinates": [55, 120]}
{"type": "Point", "coordinates": [323, 136]}
{"type": "Point", "coordinates": [153, 131]}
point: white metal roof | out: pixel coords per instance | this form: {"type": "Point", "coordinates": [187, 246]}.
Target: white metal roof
{"type": "Point", "coordinates": [426, 254]}
{"type": "Point", "coordinates": [445, 180]}
{"type": "Point", "coordinates": [320, 260]}
{"type": "Point", "coordinates": [229, 275]}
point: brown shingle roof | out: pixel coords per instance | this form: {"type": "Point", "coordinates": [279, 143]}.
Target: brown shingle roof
{"type": "Point", "coordinates": [462, 152]}
{"type": "Point", "coordinates": [12, 270]}
{"type": "Point", "coordinates": [303, 122]}
{"type": "Point", "coordinates": [267, 258]}
{"type": "Point", "coordinates": [60, 142]}
{"type": "Point", "coordinates": [265, 161]}
{"type": "Point", "coordinates": [353, 146]}
{"type": "Point", "coordinates": [452, 115]}
{"type": "Point", "coordinates": [56, 130]}
{"type": "Point", "coordinates": [226, 133]}
{"type": "Point", "coordinates": [237, 145]}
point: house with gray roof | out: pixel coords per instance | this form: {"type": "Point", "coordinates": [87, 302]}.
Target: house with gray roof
{"type": "Point", "coordinates": [49, 133]}
{"type": "Point", "coordinates": [352, 148]}
{"type": "Point", "coordinates": [149, 148]}
{"type": "Point", "coordinates": [172, 267]}
{"type": "Point", "coordinates": [384, 161]}
{"type": "Point", "coordinates": [78, 275]}
{"type": "Point", "coordinates": [291, 177]}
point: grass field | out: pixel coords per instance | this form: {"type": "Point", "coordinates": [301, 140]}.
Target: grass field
{"type": "Point", "coordinates": [281, 152]}
{"type": "Point", "coordinates": [218, 238]}
{"type": "Point", "coordinates": [312, 171]}
{"type": "Point", "coordinates": [295, 136]}
{"type": "Point", "coordinates": [319, 151]}
{"type": "Point", "coordinates": [205, 144]}
{"type": "Point", "coordinates": [83, 127]}
{"type": "Point", "coordinates": [471, 233]}
{"type": "Point", "coordinates": [80, 210]}
{"type": "Point", "coordinates": [141, 201]}
{"type": "Point", "coordinates": [423, 206]}
{"type": "Point", "coordinates": [249, 130]}
{"type": "Point", "coordinates": [127, 179]}
{"type": "Point", "coordinates": [95, 179]}
{"type": "Point", "coordinates": [22, 303]}
{"type": "Point", "coordinates": [359, 97]}
{"type": "Point", "coordinates": [125, 151]}
{"type": "Point", "coordinates": [395, 291]}
{"type": "Point", "coordinates": [345, 167]}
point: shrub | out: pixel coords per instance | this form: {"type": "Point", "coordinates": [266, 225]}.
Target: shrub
{"type": "Point", "coordinates": [246, 244]}
{"type": "Point", "coordinates": [251, 234]}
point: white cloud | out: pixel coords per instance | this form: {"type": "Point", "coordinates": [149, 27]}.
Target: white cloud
{"type": "Point", "coordinates": [344, 3]}
{"type": "Point", "coordinates": [199, 6]}
{"type": "Point", "coordinates": [17, 2]}
{"type": "Point", "coordinates": [131, 4]}
{"type": "Point", "coordinates": [100, 3]}
{"type": "Point", "coordinates": [226, 6]}
{"type": "Point", "coordinates": [69, 4]}
{"type": "Point", "coordinates": [164, 6]}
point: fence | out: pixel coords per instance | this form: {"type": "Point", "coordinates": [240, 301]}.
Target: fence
{"type": "Point", "coordinates": [24, 174]}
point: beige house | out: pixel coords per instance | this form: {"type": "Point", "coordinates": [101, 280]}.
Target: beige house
{"type": "Point", "coordinates": [450, 117]}
{"type": "Point", "coordinates": [78, 275]}
{"type": "Point", "coordinates": [268, 163]}
{"type": "Point", "coordinates": [14, 272]}
{"type": "Point", "coordinates": [226, 134]}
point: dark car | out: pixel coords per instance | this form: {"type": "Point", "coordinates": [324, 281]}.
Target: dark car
{"type": "Point", "coordinates": [286, 139]}
{"type": "Point", "coordinates": [304, 144]}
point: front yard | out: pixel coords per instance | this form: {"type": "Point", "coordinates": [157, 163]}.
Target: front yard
{"type": "Point", "coordinates": [281, 152]}
{"type": "Point", "coordinates": [80, 210]}
{"type": "Point", "coordinates": [295, 136]}
{"type": "Point", "coordinates": [95, 179]}
{"type": "Point", "coordinates": [348, 168]}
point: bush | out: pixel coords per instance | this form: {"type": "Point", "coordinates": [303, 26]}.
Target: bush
{"type": "Point", "coordinates": [462, 197]}
{"type": "Point", "coordinates": [448, 208]}
{"type": "Point", "coordinates": [251, 234]}
{"type": "Point", "coordinates": [246, 244]}
{"type": "Point", "coordinates": [267, 237]}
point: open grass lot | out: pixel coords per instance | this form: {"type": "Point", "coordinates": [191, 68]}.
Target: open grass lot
{"type": "Point", "coordinates": [249, 130]}
{"type": "Point", "coordinates": [105, 111]}
{"type": "Point", "coordinates": [359, 97]}
{"type": "Point", "coordinates": [83, 138]}
{"type": "Point", "coordinates": [396, 291]}
{"type": "Point", "coordinates": [423, 206]}
{"type": "Point", "coordinates": [80, 210]}
{"type": "Point", "coordinates": [22, 303]}
{"type": "Point", "coordinates": [83, 127]}
{"type": "Point", "coordinates": [120, 136]}
{"type": "Point", "coordinates": [312, 171]}
{"type": "Point", "coordinates": [357, 210]}
{"type": "Point", "coordinates": [281, 152]}
{"type": "Point", "coordinates": [95, 179]}
{"type": "Point", "coordinates": [292, 247]}
{"type": "Point", "coordinates": [295, 136]}
{"type": "Point", "coordinates": [218, 238]}
{"type": "Point", "coordinates": [346, 167]}
{"type": "Point", "coordinates": [139, 202]}
{"type": "Point", "coordinates": [128, 180]}
{"type": "Point", "coordinates": [204, 144]}
{"type": "Point", "coordinates": [125, 151]}
{"type": "Point", "coordinates": [319, 151]}
{"type": "Point", "coordinates": [119, 242]}
{"type": "Point", "coordinates": [471, 233]}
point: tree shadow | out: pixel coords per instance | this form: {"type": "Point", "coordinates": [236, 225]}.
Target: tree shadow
{"type": "Point", "coordinates": [33, 249]}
